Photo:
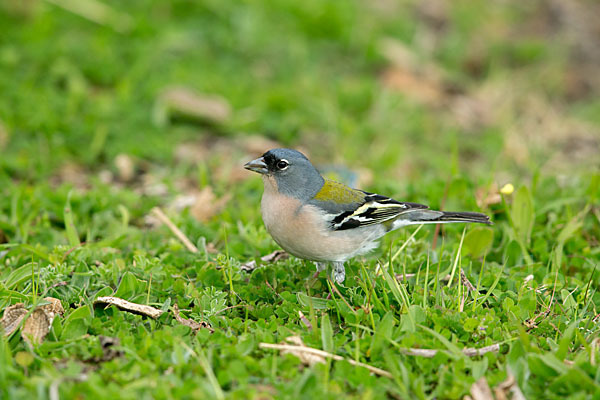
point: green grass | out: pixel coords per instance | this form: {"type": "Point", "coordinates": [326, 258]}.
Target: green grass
{"type": "Point", "coordinates": [75, 94]}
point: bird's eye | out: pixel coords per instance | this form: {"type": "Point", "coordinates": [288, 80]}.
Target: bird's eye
{"type": "Point", "coordinates": [282, 164]}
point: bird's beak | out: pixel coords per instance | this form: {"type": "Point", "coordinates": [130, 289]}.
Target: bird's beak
{"type": "Point", "coordinates": [257, 165]}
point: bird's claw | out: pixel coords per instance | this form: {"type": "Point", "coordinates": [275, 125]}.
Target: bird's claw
{"type": "Point", "coordinates": [339, 273]}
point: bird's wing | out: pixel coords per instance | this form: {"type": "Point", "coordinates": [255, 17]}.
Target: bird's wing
{"type": "Point", "coordinates": [376, 209]}
{"type": "Point", "coordinates": [349, 208]}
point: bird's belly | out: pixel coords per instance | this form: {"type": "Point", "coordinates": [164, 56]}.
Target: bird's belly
{"type": "Point", "coordinates": [301, 231]}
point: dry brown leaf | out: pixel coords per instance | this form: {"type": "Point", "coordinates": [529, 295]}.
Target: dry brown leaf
{"type": "Point", "coordinates": [36, 326]}
{"type": "Point", "coordinates": [125, 167]}
{"type": "Point", "coordinates": [13, 315]}
{"type": "Point", "coordinates": [190, 323]}
{"type": "Point", "coordinates": [487, 196]}
{"type": "Point", "coordinates": [414, 86]}
{"type": "Point", "coordinates": [207, 205]}
{"type": "Point", "coordinates": [55, 306]}
{"type": "Point", "coordinates": [404, 57]}
{"type": "Point", "coordinates": [480, 390]}
{"type": "Point", "coordinates": [191, 104]}
{"type": "Point", "coordinates": [203, 205]}
{"type": "Point", "coordinates": [134, 308]}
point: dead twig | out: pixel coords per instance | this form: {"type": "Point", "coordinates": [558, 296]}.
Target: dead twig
{"type": "Point", "coordinates": [195, 326]}
{"type": "Point", "coordinates": [176, 231]}
{"type": "Point", "coordinates": [273, 257]}
{"type": "Point", "coordinates": [134, 308]}
{"type": "Point", "coordinates": [293, 349]}
{"type": "Point", "coordinates": [335, 289]}
{"type": "Point", "coordinates": [469, 351]}
{"type": "Point", "coordinates": [472, 352]}
{"type": "Point", "coordinates": [403, 277]}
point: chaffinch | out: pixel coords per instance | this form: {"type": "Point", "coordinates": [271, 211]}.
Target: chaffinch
{"type": "Point", "coordinates": [324, 221]}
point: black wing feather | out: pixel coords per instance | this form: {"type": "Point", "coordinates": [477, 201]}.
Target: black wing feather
{"type": "Point", "coordinates": [375, 209]}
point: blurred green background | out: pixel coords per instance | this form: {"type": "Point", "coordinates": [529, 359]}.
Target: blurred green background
{"type": "Point", "coordinates": [404, 88]}
{"type": "Point", "coordinates": [109, 108]}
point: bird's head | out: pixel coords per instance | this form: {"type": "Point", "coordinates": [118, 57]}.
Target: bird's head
{"type": "Point", "coordinates": [292, 173]}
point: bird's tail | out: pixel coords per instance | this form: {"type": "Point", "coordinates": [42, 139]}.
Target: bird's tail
{"type": "Point", "coordinates": [464, 216]}
{"type": "Point", "coordinates": [413, 217]}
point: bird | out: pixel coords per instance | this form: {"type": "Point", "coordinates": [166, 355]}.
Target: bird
{"type": "Point", "coordinates": [327, 222]}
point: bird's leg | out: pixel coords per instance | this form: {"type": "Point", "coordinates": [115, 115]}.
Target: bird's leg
{"type": "Point", "coordinates": [320, 267]}
{"type": "Point", "coordinates": [339, 273]}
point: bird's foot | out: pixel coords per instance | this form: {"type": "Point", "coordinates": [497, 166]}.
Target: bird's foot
{"type": "Point", "coordinates": [320, 267]}
{"type": "Point", "coordinates": [339, 273]}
